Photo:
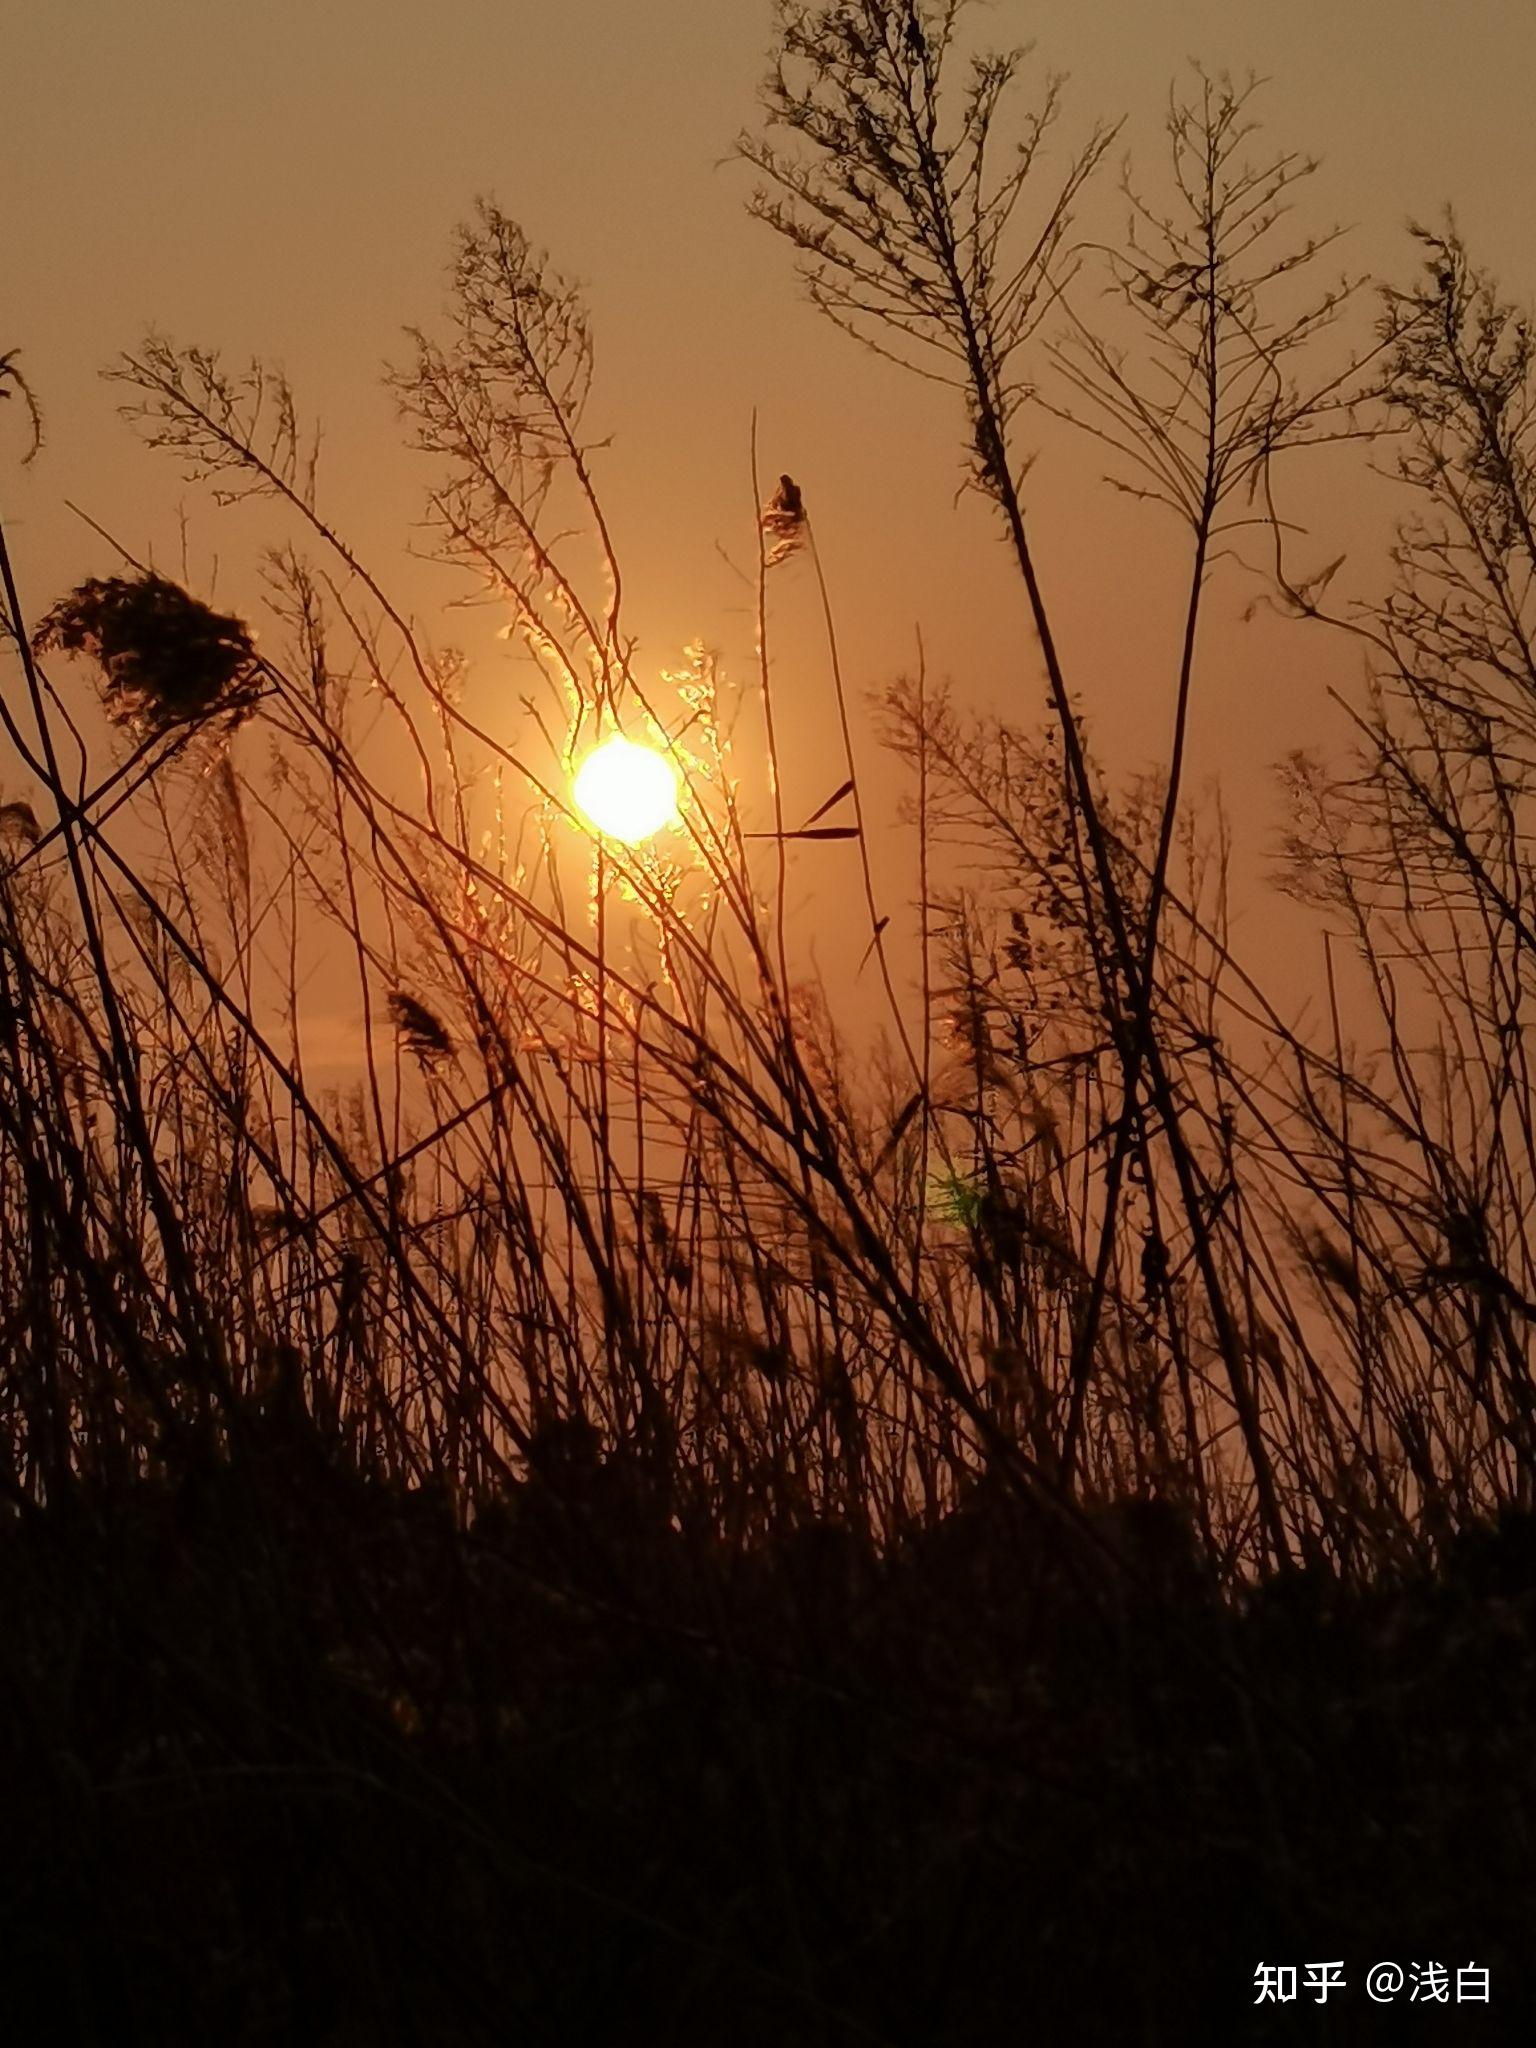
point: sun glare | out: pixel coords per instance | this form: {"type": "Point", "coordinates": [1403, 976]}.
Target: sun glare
{"type": "Point", "coordinates": [626, 790]}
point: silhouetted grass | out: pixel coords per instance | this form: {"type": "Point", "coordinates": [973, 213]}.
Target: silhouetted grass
{"type": "Point", "coordinates": [288, 1761]}
{"type": "Point", "coordinates": [637, 1514]}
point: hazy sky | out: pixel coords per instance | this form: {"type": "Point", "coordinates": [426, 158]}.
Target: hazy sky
{"type": "Point", "coordinates": [282, 180]}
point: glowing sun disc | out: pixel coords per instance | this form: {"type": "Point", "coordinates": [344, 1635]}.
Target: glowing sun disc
{"type": "Point", "coordinates": [627, 791]}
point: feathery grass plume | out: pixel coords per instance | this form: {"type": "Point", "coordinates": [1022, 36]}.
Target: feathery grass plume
{"type": "Point", "coordinates": [18, 822]}
{"type": "Point", "coordinates": [168, 659]}
{"type": "Point", "coordinates": [420, 1032]}
{"type": "Point", "coordinates": [783, 522]}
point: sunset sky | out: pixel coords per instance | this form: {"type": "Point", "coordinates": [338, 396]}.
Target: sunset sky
{"type": "Point", "coordinates": [649, 1387]}
{"type": "Point", "coordinates": [283, 180]}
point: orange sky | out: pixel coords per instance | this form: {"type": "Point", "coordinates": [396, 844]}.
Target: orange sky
{"type": "Point", "coordinates": [281, 180]}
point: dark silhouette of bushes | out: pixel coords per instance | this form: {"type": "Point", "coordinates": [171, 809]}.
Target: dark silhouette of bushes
{"type": "Point", "coordinates": [284, 1762]}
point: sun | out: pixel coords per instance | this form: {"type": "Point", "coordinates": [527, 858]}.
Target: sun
{"type": "Point", "coordinates": [626, 790]}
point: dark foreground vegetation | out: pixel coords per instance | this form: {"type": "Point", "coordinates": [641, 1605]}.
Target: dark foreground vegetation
{"type": "Point", "coordinates": [289, 1758]}
{"type": "Point", "coordinates": [642, 1512]}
